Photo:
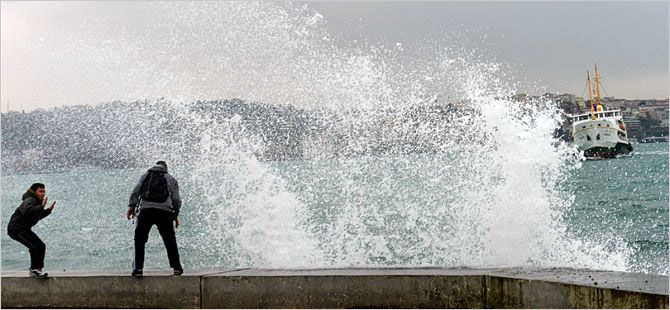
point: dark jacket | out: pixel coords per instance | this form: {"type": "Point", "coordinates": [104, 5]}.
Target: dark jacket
{"type": "Point", "coordinates": [28, 213]}
{"type": "Point", "coordinates": [171, 204]}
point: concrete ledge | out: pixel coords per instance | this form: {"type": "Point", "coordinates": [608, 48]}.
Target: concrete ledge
{"type": "Point", "coordinates": [379, 291]}
{"type": "Point", "coordinates": [341, 288]}
{"type": "Point", "coordinates": [101, 292]}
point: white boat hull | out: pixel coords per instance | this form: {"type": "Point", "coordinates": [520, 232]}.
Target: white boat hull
{"type": "Point", "coordinates": [597, 137]}
{"type": "Point", "coordinates": [604, 136]}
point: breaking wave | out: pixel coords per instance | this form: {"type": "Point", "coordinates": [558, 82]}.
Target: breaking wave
{"type": "Point", "coordinates": [377, 156]}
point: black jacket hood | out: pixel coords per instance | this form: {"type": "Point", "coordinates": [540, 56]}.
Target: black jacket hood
{"type": "Point", "coordinates": [30, 193]}
{"type": "Point", "coordinates": [158, 168]}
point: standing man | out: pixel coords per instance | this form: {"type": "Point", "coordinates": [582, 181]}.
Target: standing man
{"type": "Point", "coordinates": [32, 209]}
{"type": "Point", "coordinates": [155, 201]}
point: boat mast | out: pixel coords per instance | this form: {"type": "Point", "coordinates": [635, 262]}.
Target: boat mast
{"type": "Point", "coordinates": [600, 107]}
{"type": "Point", "coordinates": [588, 81]}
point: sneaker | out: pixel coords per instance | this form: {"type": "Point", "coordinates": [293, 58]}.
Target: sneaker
{"type": "Point", "coordinates": [178, 271]}
{"type": "Point", "coordinates": [37, 273]}
{"type": "Point", "coordinates": [136, 273]}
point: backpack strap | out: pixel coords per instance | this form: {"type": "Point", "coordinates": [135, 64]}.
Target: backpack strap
{"type": "Point", "coordinates": [167, 182]}
{"type": "Point", "coordinates": [150, 174]}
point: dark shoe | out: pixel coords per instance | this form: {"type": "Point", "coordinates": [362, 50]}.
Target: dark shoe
{"type": "Point", "coordinates": [37, 273]}
{"type": "Point", "coordinates": [178, 272]}
{"type": "Point", "coordinates": [137, 273]}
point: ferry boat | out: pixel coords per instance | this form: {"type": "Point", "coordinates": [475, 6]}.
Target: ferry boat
{"type": "Point", "coordinates": [600, 133]}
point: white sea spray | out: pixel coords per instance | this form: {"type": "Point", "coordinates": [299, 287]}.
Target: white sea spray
{"type": "Point", "coordinates": [417, 161]}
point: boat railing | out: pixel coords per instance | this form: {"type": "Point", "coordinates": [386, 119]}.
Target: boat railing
{"type": "Point", "coordinates": [600, 114]}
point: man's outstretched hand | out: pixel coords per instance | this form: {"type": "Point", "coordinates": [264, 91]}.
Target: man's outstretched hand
{"type": "Point", "coordinates": [44, 204]}
{"type": "Point", "coordinates": [130, 214]}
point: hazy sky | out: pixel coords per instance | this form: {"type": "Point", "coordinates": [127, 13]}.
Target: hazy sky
{"type": "Point", "coordinates": [48, 49]}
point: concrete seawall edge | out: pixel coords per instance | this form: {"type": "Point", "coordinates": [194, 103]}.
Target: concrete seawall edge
{"type": "Point", "coordinates": [341, 288]}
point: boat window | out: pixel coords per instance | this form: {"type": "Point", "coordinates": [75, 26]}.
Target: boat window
{"type": "Point", "coordinates": [600, 115]}
{"type": "Point", "coordinates": [609, 114]}
{"type": "Point", "coordinates": [599, 124]}
{"type": "Point", "coordinates": [608, 125]}
{"type": "Point", "coordinates": [588, 138]}
{"type": "Point", "coordinates": [583, 126]}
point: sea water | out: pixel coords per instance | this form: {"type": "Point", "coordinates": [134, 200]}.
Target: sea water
{"type": "Point", "coordinates": [620, 205]}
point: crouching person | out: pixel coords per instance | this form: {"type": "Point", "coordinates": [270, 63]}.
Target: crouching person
{"type": "Point", "coordinates": [155, 201]}
{"type": "Point", "coordinates": [32, 210]}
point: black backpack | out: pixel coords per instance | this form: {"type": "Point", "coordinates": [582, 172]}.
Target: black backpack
{"type": "Point", "coordinates": [155, 187]}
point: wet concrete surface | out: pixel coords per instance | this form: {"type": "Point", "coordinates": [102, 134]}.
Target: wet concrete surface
{"type": "Point", "coordinates": [341, 288]}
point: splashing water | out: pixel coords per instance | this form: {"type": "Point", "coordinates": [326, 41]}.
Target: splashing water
{"type": "Point", "coordinates": [413, 161]}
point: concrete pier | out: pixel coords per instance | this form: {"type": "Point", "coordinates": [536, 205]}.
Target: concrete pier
{"type": "Point", "coordinates": [340, 288]}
